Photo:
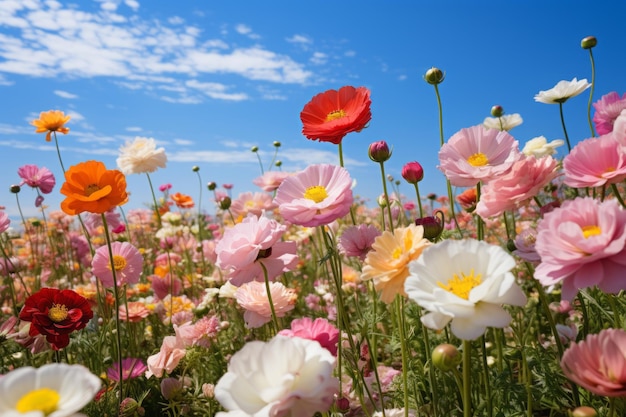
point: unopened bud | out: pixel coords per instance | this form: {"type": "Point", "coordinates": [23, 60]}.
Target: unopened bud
{"type": "Point", "coordinates": [588, 42]}
{"type": "Point", "coordinates": [434, 76]}
{"type": "Point", "coordinates": [510, 245]}
{"type": "Point", "coordinates": [276, 144]}
{"type": "Point", "coordinates": [446, 357]}
{"type": "Point", "coordinates": [583, 411]}
{"type": "Point", "coordinates": [225, 203]}
{"type": "Point", "coordinates": [432, 225]}
{"type": "Point", "coordinates": [128, 407]}
{"type": "Point", "coordinates": [413, 172]}
{"type": "Point", "coordinates": [497, 111]}
{"type": "Point", "coordinates": [211, 185]}
{"type": "Point", "coordinates": [254, 149]}
{"type": "Point", "coordinates": [278, 163]}
{"type": "Point", "coordinates": [195, 168]}
{"type": "Point", "coordinates": [15, 189]}
{"type": "Point", "coordinates": [379, 151]}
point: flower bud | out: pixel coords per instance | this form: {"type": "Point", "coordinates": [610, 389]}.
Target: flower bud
{"type": "Point", "coordinates": [15, 189]}
{"type": "Point", "coordinates": [588, 42]}
{"type": "Point", "coordinates": [583, 411]}
{"type": "Point", "coordinates": [211, 185]}
{"type": "Point", "coordinates": [446, 357]}
{"type": "Point", "coordinates": [497, 111]}
{"type": "Point", "coordinates": [279, 163]}
{"type": "Point", "coordinates": [434, 76]}
{"type": "Point", "coordinates": [254, 149]}
{"type": "Point", "coordinates": [413, 172]}
{"type": "Point", "coordinates": [276, 144]}
{"type": "Point", "coordinates": [379, 151]}
{"type": "Point", "coordinates": [382, 200]}
{"type": "Point", "coordinates": [343, 404]}
{"type": "Point", "coordinates": [432, 226]}
{"type": "Point", "coordinates": [128, 407]}
{"type": "Point", "coordinates": [510, 245]}
{"type": "Point", "coordinates": [225, 203]}
{"type": "Point", "coordinates": [432, 196]}
{"type": "Point", "coordinates": [195, 168]}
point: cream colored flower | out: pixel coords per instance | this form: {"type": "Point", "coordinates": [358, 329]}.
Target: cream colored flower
{"type": "Point", "coordinates": [540, 147]}
{"type": "Point", "coordinates": [141, 156]}
{"type": "Point", "coordinates": [561, 92]}
{"type": "Point", "coordinates": [506, 122]}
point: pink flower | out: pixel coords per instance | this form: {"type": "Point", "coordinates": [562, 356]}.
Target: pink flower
{"type": "Point", "coordinates": [36, 177]}
{"type": "Point", "coordinates": [113, 218]}
{"type": "Point", "coordinates": [525, 245]}
{"type": "Point", "coordinates": [607, 109]}
{"type": "Point", "coordinates": [201, 333]}
{"type": "Point", "coordinates": [4, 221]}
{"type": "Point", "coordinates": [127, 262]}
{"type": "Point", "coordinates": [247, 202]}
{"type": "Point", "coordinates": [255, 241]}
{"type": "Point", "coordinates": [582, 244]}
{"type": "Point", "coordinates": [477, 154]}
{"type": "Point", "coordinates": [519, 185]}
{"type": "Point", "coordinates": [131, 368]}
{"type": "Point", "coordinates": [252, 296]}
{"type": "Point", "coordinates": [271, 180]}
{"type": "Point", "coordinates": [164, 187]}
{"type": "Point", "coordinates": [167, 359]}
{"type": "Point", "coordinates": [619, 128]}
{"type": "Point", "coordinates": [595, 162]}
{"type": "Point", "coordinates": [598, 363]}
{"type": "Point", "coordinates": [358, 240]}
{"type": "Point", "coordinates": [316, 196]}
{"type": "Point", "coordinates": [163, 285]}
{"type": "Point", "coordinates": [319, 329]}
{"type": "Point", "coordinates": [136, 312]}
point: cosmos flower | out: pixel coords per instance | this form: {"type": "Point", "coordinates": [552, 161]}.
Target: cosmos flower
{"type": "Point", "coordinates": [357, 240]}
{"type": "Point", "coordinates": [35, 177]}
{"type": "Point", "coordinates": [319, 329]}
{"type": "Point", "coordinates": [127, 263]}
{"type": "Point", "coordinates": [131, 368]}
{"type": "Point", "coordinates": [331, 115]}
{"type": "Point", "coordinates": [270, 180]}
{"type": "Point", "coordinates": [540, 147]}
{"type": "Point", "coordinates": [608, 108]}
{"type": "Point", "coordinates": [504, 122]}
{"type": "Point", "coordinates": [141, 156]}
{"type": "Point", "coordinates": [563, 91]}
{"type": "Point", "coordinates": [595, 162]}
{"type": "Point", "coordinates": [51, 121]}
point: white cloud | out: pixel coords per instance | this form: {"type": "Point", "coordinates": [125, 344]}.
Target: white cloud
{"type": "Point", "coordinates": [349, 54]}
{"type": "Point", "coordinates": [133, 129]}
{"type": "Point", "coordinates": [319, 58]}
{"type": "Point", "coordinates": [176, 20]}
{"type": "Point", "coordinates": [216, 90]}
{"type": "Point", "coordinates": [132, 4]}
{"type": "Point", "coordinates": [65, 94]}
{"type": "Point", "coordinates": [183, 142]}
{"type": "Point", "coordinates": [301, 39]}
{"type": "Point", "coordinates": [243, 29]}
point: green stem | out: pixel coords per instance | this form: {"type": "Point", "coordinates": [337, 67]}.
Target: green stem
{"type": "Point", "coordinates": [467, 378]}
{"type": "Point", "coordinates": [269, 298]}
{"type": "Point", "coordinates": [593, 85]}
{"type": "Point", "coordinates": [399, 304]}
{"type": "Point", "coordinates": [617, 195]}
{"type": "Point", "coordinates": [388, 202]}
{"type": "Point", "coordinates": [569, 146]}
{"type": "Point", "coordinates": [56, 142]}
{"type": "Point", "coordinates": [419, 200]}
{"type": "Point", "coordinates": [154, 200]}
{"type": "Point", "coordinates": [480, 224]}
{"type": "Point", "coordinates": [487, 381]}
{"type": "Point", "coordinates": [260, 162]}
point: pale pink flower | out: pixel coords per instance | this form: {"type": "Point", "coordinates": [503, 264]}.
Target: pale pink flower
{"type": "Point", "coordinates": [201, 333]}
{"type": "Point", "coordinates": [582, 244]}
{"type": "Point", "coordinates": [36, 177]}
{"type": "Point", "coordinates": [357, 240]}
{"type": "Point", "coordinates": [164, 285]}
{"type": "Point", "coordinates": [167, 359]}
{"type": "Point", "coordinates": [251, 203]}
{"type": "Point", "coordinates": [595, 162]}
{"type": "Point", "coordinates": [270, 180]}
{"type": "Point", "coordinates": [608, 108]}
{"type": "Point", "coordinates": [5, 221]}
{"type": "Point", "coordinates": [477, 154]}
{"type": "Point", "coordinates": [136, 311]}
{"type": "Point", "coordinates": [525, 245]}
{"type": "Point", "coordinates": [619, 128]}
{"type": "Point", "coordinates": [319, 329]}
{"type": "Point", "coordinates": [255, 241]}
{"type": "Point", "coordinates": [316, 196]}
{"type": "Point", "coordinates": [252, 296]}
{"type": "Point", "coordinates": [598, 363]}
{"type": "Point", "coordinates": [93, 221]}
{"type": "Point", "coordinates": [126, 261]}
{"type": "Point", "coordinates": [527, 177]}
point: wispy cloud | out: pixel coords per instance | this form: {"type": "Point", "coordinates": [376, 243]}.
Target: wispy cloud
{"type": "Point", "coordinates": [65, 94]}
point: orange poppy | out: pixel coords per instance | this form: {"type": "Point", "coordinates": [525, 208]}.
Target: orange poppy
{"type": "Point", "coordinates": [331, 115]}
{"type": "Point", "coordinates": [51, 121]}
{"type": "Point", "coordinates": [90, 187]}
{"type": "Point", "coordinates": [182, 200]}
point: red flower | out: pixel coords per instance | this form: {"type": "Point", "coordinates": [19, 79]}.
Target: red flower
{"type": "Point", "coordinates": [55, 314]}
{"type": "Point", "coordinates": [331, 115]}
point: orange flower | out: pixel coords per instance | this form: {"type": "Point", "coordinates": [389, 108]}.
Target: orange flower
{"type": "Point", "coordinates": [182, 200]}
{"type": "Point", "coordinates": [90, 187]}
{"type": "Point", "coordinates": [331, 115]}
{"type": "Point", "coordinates": [51, 121]}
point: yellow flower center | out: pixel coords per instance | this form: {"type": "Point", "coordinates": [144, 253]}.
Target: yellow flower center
{"type": "Point", "coordinates": [396, 253]}
{"type": "Point", "coordinates": [462, 286]}
{"type": "Point", "coordinates": [57, 313]}
{"type": "Point", "coordinates": [90, 189]}
{"type": "Point", "coordinates": [591, 230]}
{"type": "Point", "coordinates": [119, 262]}
{"type": "Point", "coordinates": [316, 193]}
{"type": "Point", "coordinates": [335, 114]}
{"type": "Point", "coordinates": [479, 159]}
{"type": "Point", "coordinates": [43, 399]}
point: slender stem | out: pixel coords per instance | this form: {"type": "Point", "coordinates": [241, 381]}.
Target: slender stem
{"type": "Point", "coordinates": [340, 151]}
{"type": "Point", "coordinates": [154, 200]}
{"type": "Point", "coordinates": [593, 85]}
{"type": "Point", "coordinates": [611, 407]}
{"type": "Point", "coordinates": [487, 382]}
{"type": "Point", "coordinates": [617, 195]}
{"type": "Point", "coordinates": [467, 378]}
{"type": "Point", "coordinates": [569, 146]}
{"type": "Point", "coordinates": [56, 142]}
{"type": "Point", "coordinates": [269, 168]}
{"type": "Point", "coordinates": [419, 200]}
{"type": "Point", "coordinates": [268, 290]}
{"type": "Point", "coordinates": [260, 162]}
{"type": "Point", "coordinates": [399, 304]}
{"type": "Point", "coordinates": [480, 224]}
{"type": "Point", "coordinates": [388, 202]}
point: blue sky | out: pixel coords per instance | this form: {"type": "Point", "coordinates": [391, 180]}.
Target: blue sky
{"type": "Point", "coordinates": [209, 80]}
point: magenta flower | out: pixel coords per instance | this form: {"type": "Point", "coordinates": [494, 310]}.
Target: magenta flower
{"type": "Point", "coordinates": [131, 368]}
{"type": "Point", "coordinates": [316, 196]}
{"type": "Point", "coordinates": [595, 162]}
{"type": "Point", "coordinates": [607, 109]}
{"type": "Point", "coordinates": [246, 245]}
{"type": "Point", "coordinates": [582, 244]}
{"type": "Point", "coordinates": [36, 177]}
{"type": "Point", "coordinates": [127, 262]}
{"type": "Point", "coordinates": [357, 240]}
{"type": "Point", "coordinates": [319, 329]}
{"type": "Point", "coordinates": [598, 363]}
{"type": "Point", "coordinates": [477, 154]}
{"type": "Point", "coordinates": [518, 186]}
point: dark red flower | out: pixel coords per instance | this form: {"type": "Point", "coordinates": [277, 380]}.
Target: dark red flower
{"type": "Point", "coordinates": [55, 314]}
{"type": "Point", "coordinates": [331, 115]}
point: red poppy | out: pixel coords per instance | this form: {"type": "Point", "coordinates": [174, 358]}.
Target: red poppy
{"type": "Point", "coordinates": [55, 314]}
{"type": "Point", "coordinates": [331, 115]}
{"type": "Point", "coordinates": [182, 200]}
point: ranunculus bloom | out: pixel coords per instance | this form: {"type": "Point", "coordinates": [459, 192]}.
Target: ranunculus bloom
{"type": "Point", "coordinates": [54, 389]}
{"type": "Point", "coordinates": [316, 196]}
{"type": "Point", "coordinates": [131, 368]}
{"type": "Point", "coordinates": [51, 121]}
{"type": "Point", "coordinates": [141, 156]}
{"type": "Point", "coordinates": [582, 244]}
{"type": "Point", "coordinates": [524, 181]}
{"type": "Point", "coordinates": [89, 186]}
{"type": "Point", "coordinates": [167, 359]}
{"type": "Point", "coordinates": [320, 330]}
{"type": "Point", "coordinates": [595, 162]}
{"type": "Point", "coordinates": [540, 147]}
{"type": "Point", "coordinates": [357, 240]}
{"type": "Point", "coordinates": [563, 91]}
{"type": "Point", "coordinates": [331, 115]}
{"type": "Point", "coordinates": [270, 180]}
{"type": "Point", "coordinates": [505, 122]}
{"type": "Point", "coordinates": [598, 363]}
{"type": "Point", "coordinates": [36, 177]}
{"type": "Point", "coordinates": [467, 199]}
{"type": "Point", "coordinates": [182, 200]}
{"type": "Point", "coordinates": [201, 333]}
{"type": "Point", "coordinates": [56, 313]}
{"type": "Point", "coordinates": [287, 376]}
{"type": "Point", "coordinates": [388, 263]}
{"type": "Point", "coordinates": [255, 241]}
{"type": "Point", "coordinates": [136, 311]}
{"type": "Point", "coordinates": [608, 108]}
{"type": "Point", "coordinates": [252, 296]}
{"type": "Point", "coordinates": [466, 282]}
{"type": "Point", "coordinates": [477, 154]}
{"type": "Point", "coordinates": [127, 263]}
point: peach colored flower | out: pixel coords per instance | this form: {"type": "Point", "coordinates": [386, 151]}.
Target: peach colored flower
{"type": "Point", "coordinates": [252, 296]}
{"type": "Point", "coordinates": [167, 359]}
{"type": "Point", "coordinates": [271, 180]}
{"type": "Point", "coordinates": [136, 312]}
{"type": "Point", "coordinates": [51, 121]}
{"type": "Point", "coordinates": [182, 200]}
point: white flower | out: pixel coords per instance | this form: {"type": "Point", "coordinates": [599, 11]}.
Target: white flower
{"type": "Point", "coordinates": [540, 147]}
{"type": "Point", "coordinates": [285, 376]}
{"type": "Point", "coordinates": [141, 156]}
{"type": "Point", "coordinates": [506, 122]}
{"type": "Point", "coordinates": [53, 390]}
{"type": "Point", "coordinates": [562, 91]}
{"type": "Point", "coordinates": [466, 282]}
